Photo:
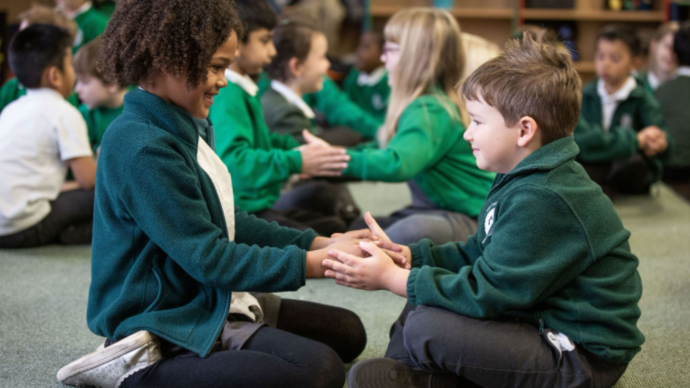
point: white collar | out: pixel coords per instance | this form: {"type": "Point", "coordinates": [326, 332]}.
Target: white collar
{"type": "Point", "coordinates": [73, 15]}
{"type": "Point", "coordinates": [684, 71]}
{"type": "Point", "coordinates": [293, 98]}
{"type": "Point", "coordinates": [371, 79]}
{"type": "Point", "coordinates": [44, 92]}
{"type": "Point", "coordinates": [620, 95]}
{"type": "Point", "coordinates": [243, 81]}
{"type": "Point", "coordinates": [653, 80]}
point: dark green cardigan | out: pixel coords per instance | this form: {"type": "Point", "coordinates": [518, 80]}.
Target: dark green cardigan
{"type": "Point", "coordinates": [550, 250]}
{"type": "Point", "coordinates": [161, 257]}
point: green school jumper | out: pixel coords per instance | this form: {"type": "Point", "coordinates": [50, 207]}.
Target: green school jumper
{"type": "Point", "coordinates": [163, 260]}
{"type": "Point", "coordinates": [284, 117]}
{"type": "Point", "coordinates": [373, 99]}
{"type": "Point", "coordinates": [107, 8]}
{"type": "Point", "coordinates": [639, 110]}
{"type": "Point", "coordinates": [259, 161]}
{"type": "Point", "coordinates": [97, 121]}
{"type": "Point", "coordinates": [90, 25]}
{"type": "Point", "coordinates": [339, 110]}
{"type": "Point", "coordinates": [550, 250]}
{"type": "Point", "coordinates": [12, 90]}
{"type": "Point", "coordinates": [429, 149]}
{"type": "Point", "coordinates": [674, 97]}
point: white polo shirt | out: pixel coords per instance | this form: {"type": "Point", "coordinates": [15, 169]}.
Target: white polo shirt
{"type": "Point", "coordinates": [39, 133]}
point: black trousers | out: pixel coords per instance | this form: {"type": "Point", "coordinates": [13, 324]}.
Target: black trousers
{"type": "Point", "coordinates": [493, 353]}
{"type": "Point", "coordinates": [70, 221]}
{"type": "Point", "coordinates": [306, 349]}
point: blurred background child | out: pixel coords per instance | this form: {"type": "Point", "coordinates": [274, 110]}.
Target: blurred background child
{"type": "Point", "coordinates": [367, 83]}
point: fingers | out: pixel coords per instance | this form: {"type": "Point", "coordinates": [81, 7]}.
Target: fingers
{"type": "Point", "coordinates": [337, 267]}
{"type": "Point", "coordinates": [371, 248]}
{"type": "Point", "coordinates": [343, 257]}
{"type": "Point", "coordinates": [334, 166]}
{"type": "Point", "coordinates": [391, 246]}
{"type": "Point", "coordinates": [398, 259]}
{"type": "Point", "coordinates": [334, 235]}
{"type": "Point", "coordinates": [374, 227]}
{"type": "Point", "coordinates": [362, 234]}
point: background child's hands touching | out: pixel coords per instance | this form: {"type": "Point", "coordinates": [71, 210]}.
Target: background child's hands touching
{"type": "Point", "coordinates": [652, 140]}
{"type": "Point", "coordinates": [320, 158]}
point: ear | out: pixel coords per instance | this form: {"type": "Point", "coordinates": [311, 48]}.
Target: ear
{"type": "Point", "coordinates": [528, 131]}
{"type": "Point", "coordinates": [295, 67]}
{"type": "Point", "coordinates": [53, 77]}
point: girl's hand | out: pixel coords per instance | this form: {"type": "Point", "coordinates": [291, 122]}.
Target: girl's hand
{"type": "Point", "coordinates": [318, 160]}
{"type": "Point", "coordinates": [376, 272]}
{"type": "Point", "coordinates": [314, 140]}
{"type": "Point", "coordinates": [315, 258]}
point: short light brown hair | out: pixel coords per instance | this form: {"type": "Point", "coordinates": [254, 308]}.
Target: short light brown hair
{"type": "Point", "coordinates": [40, 14]}
{"type": "Point", "coordinates": [86, 60]}
{"type": "Point", "coordinates": [530, 78]}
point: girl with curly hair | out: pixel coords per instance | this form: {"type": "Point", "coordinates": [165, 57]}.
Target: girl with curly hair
{"type": "Point", "coordinates": [169, 249]}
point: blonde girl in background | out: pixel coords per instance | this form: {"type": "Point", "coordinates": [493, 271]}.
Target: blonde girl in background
{"type": "Point", "coordinates": [421, 142]}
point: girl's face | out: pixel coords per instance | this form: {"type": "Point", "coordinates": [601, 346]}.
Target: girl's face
{"type": "Point", "coordinates": [663, 53]}
{"type": "Point", "coordinates": [69, 5]}
{"type": "Point", "coordinates": [198, 101]}
{"type": "Point", "coordinates": [315, 66]}
{"type": "Point", "coordinates": [390, 56]}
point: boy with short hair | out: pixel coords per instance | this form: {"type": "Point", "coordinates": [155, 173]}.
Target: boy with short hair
{"type": "Point", "coordinates": [367, 83]}
{"type": "Point", "coordinates": [546, 293]}
{"type": "Point", "coordinates": [673, 97]}
{"type": "Point", "coordinates": [41, 135]}
{"type": "Point", "coordinates": [260, 162]}
{"type": "Point", "coordinates": [90, 22]}
{"type": "Point", "coordinates": [102, 101]}
{"type": "Point", "coordinates": [37, 14]}
{"type": "Point", "coordinates": [621, 133]}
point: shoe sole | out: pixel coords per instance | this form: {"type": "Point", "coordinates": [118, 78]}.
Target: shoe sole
{"type": "Point", "coordinates": [103, 356]}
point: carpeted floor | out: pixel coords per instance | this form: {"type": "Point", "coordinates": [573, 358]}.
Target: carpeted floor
{"type": "Point", "coordinates": [43, 296]}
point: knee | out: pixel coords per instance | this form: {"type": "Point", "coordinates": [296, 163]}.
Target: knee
{"type": "Point", "coordinates": [425, 334]}
{"type": "Point", "coordinates": [326, 370]}
{"type": "Point", "coordinates": [353, 335]}
{"type": "Point", "coordinates": [417, 227]}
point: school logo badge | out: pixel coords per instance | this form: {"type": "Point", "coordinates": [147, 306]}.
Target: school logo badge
{"type": "Point", "coordinates": [489, 220]}
{"type": "Point", "coordinates": [626, 121]}
{"type": "Point", "coordinates": [377, 101]}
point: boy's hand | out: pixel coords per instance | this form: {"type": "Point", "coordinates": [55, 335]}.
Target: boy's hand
{"type": "Point", "coordinates": [372, 273]}
{"type": "Point", "coordinates": [318, 160]}
{"type": "Point", "coordinates": [314, 140]}
{"type": "Point", "coordinates": [382, 241]}
{"type": "Point", "coordinates": [654, 139]}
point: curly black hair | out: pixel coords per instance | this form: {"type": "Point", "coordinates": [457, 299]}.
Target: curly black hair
{"type": "Point", "coordinates": [152, 37]}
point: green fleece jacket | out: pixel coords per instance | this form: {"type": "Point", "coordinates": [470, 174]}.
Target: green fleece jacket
{"type": "Point", "coordinates": [90, 25]}
{"type": "Point", "coordinates": [373, 99]}
{"type": "Point", "coordinates": [12, 90]}
{"type": "Point", "coordinates": [97, 121]}
{"type": "Point", "coordinates": [336, 106]}
{"type": "Point", "coordinates": [550, 250]}
{"type": "Point", "coordinates": [639, 111]}
{"type": "Point", "coordinates": [162, 257]}
{"type": "Point", "coordinates": [428, 147]}
{"type": "Point", "coordinates": [674, 97]}
{"type": "Point", "coordinates": [284, 117]}
{"type": "Point", "coordinates": [259, 161]}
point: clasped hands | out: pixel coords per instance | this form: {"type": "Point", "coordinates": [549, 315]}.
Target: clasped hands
{"type": "Point", "coordinates": [366, 259]}
{"type": "Point", "coordinates": [320, 158]}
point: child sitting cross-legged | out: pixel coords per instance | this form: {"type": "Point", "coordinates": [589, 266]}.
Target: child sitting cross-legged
{"type": "Point", "coordinates": [546, 293]}
{"type": "Point", "coordinates": [41, 136]}
{"type": "Point", "coordinates": [181, 280]}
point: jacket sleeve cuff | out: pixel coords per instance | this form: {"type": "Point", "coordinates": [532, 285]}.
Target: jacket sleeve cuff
{"type": "Point", "coordinates": [355, 167]}
{"type": "Point", "coordinates": [411, 280]}
{"type": "Point", "coordinates": [294, 159]}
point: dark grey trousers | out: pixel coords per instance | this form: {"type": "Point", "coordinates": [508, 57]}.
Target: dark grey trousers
{"type": "Point", "coordinates": [493, 353]}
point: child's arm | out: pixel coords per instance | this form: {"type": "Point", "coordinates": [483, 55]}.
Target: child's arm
{"type": "Point", "coordinates": [341, 111]}
{"type": "Point", "coordinates": [597, 145]}
{"type": "Point", "coordinates": [416, 145]}
{"type": "Point", "coordinates": [538, 246]}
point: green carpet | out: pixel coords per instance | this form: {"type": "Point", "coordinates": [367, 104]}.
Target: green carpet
{"type": "Point", "coordinates": [43, 295]}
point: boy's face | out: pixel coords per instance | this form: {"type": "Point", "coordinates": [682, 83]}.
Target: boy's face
{"type": "Point", "coordinates": [613, 61]}
{"type": "Point", "coordinates": [315, 66]}
{"type": "Point", "coordinates": [257, 53]}
{"type": "Point", "coordinates": [390, 56]}
{"type": "Point", "coordinates": [198, 101]}
{"type": "Point", "coordinates": [92, 91]}
{"type": "Point", "coordinates": [494, 144]}
{"type": "Point", "coordinates": [69, 5]}
{"type": "Point", "coordinates": [369, 52]}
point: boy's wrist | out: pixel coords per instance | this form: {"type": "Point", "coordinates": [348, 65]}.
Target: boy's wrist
{"type": "Point", "coordinates": [313, 268]}
{"type": "Point", "coordinates": [396, 281]}
{"type": "Point", "coordinates": [319, 243]}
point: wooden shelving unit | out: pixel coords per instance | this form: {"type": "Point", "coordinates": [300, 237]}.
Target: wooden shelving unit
{"type": "Point", "coordinates": [495, 20]}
